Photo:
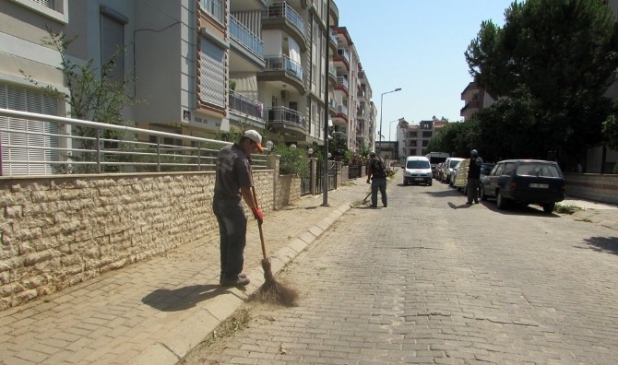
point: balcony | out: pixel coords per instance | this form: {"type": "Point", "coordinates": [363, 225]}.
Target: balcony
{"type": "Point", "coordinates": [342, 57]}
{"type": "Point", "coordinates": [214, 8]}
{"type": "Point", "coordinates": [284, 69]}
{"type": "Point", "coordinates": [332, 37]}
{"type": "Point", "coordinates": [471, 107]}
{"type": "Point", "coordinates": [241, 104]}
{"type": "Point", "coordinates": [246, 38]}
{"type": "Point", "coordinates": [332, 104]}
{"type": "Point", "coordinates": [342, 84]}
{"type": "Point", "coordinates": [332, 72]}
{"type": "Point", "coordinates": [288, 121]}
{"type": "Point", "coordinates": [341, 113]}
{"type": "Point", "coordinates": [281, 16]}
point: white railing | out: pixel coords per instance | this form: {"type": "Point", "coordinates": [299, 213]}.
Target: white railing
{"type": "Point", "coordinates": [72, 146]}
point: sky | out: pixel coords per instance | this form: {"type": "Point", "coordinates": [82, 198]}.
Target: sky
{"type": "Point", "coordinates": [418, 46]}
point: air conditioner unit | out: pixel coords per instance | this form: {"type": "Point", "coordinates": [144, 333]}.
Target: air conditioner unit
{"type": "Point", "coordinates": [284, 94]}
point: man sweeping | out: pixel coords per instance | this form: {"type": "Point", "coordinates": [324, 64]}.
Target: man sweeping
{"type": "Point", "coordinates": [233, 183]}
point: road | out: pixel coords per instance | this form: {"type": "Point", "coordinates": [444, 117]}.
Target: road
{"type": "Point", "coordinates": [429, 280]}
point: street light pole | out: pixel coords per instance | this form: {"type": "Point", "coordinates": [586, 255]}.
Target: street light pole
{"type": "Point", "coordinates": [381, 102]}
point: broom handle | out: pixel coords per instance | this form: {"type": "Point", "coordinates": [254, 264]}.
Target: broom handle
{"type": "Point", "coordinates": [259, 224]}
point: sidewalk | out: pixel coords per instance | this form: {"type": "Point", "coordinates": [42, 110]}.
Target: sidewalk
{"type": "Point", "coordinates": [154, 312]}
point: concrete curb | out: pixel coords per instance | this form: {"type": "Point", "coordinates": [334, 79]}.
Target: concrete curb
{"type": "Point", "coordinates": [178, 342]}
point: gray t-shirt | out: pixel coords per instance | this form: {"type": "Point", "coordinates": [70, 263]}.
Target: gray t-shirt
{"type": "Point", "coordinates": [233, 172]}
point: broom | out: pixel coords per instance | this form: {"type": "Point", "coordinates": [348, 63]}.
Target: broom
{"type": "Point", "coordinates": [272, 291]}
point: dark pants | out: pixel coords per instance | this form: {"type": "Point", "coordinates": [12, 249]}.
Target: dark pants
{"type": "Point", "coordinates": [233, 234]}
{"type": "Point", "coordinates": [473, 190]}
{"type": "Point", "coordinates": [378, 183]}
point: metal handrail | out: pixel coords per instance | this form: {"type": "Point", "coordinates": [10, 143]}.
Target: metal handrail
{"type": "Point", "coordinates": [108, 148]}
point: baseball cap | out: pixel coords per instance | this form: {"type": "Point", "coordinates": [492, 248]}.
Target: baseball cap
{"type": "Point", "coordinates": [255, 137]}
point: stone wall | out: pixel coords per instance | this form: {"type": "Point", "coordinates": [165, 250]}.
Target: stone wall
{"type": "Point", "coordinates": [596, 187]}
{"type": "Point", "coordinates": [61, 230]}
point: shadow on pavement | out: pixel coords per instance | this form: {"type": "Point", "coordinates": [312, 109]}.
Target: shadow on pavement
{"type": "Point", "coordinates": [603, 244]}
{"type": "Point", "coordinates": [167, 300]}
{"type": "Point", "coordinates": [462, 205]}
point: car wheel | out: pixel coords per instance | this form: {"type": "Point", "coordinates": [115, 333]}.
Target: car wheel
{"type": "Point", "coordinates": [430, 182]}
{"type": "Point", "coordinates": [548, 207]}
{"type": "Point", "coordinates": [482, 193]}
{"type": "Point", "coordinates": [405, 182]}
{"type": "Point", "coordinates": [501, 203]}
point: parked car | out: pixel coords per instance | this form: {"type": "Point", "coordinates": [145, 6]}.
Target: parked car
{"type": "Point", "coordinates": [417, 170]}
{"type": "Point", "coordinates": [449, 166]}
{"type": "Point", "coordinates": [524, 182]}
{"type": "Point", "coordinates": [460, 175]}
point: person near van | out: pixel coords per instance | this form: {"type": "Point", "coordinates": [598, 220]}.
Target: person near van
{"type": "Point", "coordinates": [474, 177]}
{"type": "Point", "coordinates": [233, 182]}
{"type": "Point", "coordinates": [376, 174]}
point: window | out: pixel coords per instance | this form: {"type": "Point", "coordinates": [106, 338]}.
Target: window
{"type": "Point", "coordinates": [112, 43]}
{"type": "Point", "coordinates": [212, 76]}
{"type": "Point", "coordinates": [214, 8]}
{"type": "Point", "coordinates": [27, 144]}
{"type": "Point", "coordinates": [54, 9]}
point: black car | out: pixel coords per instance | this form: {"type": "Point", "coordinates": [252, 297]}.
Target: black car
{"type": "Point", "coordinates": [524, 182]}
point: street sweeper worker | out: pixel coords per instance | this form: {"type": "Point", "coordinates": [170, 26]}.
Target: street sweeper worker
{"type": "Point", "coordinates": [376, 174]}
{"type": "Point", "coordinates": [232, 184]}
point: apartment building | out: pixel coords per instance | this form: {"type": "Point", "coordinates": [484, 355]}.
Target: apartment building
{"type": "Point", "coordinates": [475, 99]}
{"type": "Point", "coordinates": [202, 67]}
{"type": "Point", "coordinates": [414, 138]}
{"type": "Point", "coordinates": [353, 116]}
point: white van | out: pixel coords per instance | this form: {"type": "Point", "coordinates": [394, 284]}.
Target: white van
{"type": "Point", "coordinates": [417, 170]}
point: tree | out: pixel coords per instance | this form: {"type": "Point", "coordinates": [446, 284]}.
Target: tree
{"type": "Point", "coordinates": [559, 54]}
{"type": "Point", "coordinates": [94, 95]}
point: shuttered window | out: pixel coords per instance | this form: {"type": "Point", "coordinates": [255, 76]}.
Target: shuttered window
{"type": "Point", "coordinates": [212, 76]}
{"type": "Point", "coordinates": [27, 144]}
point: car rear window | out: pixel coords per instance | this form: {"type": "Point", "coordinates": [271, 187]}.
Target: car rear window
{"type": "Point", "coordinates": [538, 169]}
{"type": "Point", "coordinates": [453, 163]}
{"type": "Point", "coordinates": [418, 164]}
{"type": "Point", "coordinates": [486, 169]}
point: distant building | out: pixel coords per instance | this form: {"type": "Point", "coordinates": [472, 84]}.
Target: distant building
{"type": "Point", "coordinates": [475, 99]}
{"type": "Point", "coordinates": [414, 138]}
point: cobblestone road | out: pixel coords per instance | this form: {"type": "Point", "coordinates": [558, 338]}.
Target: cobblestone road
{"type": "Point", "coordinates": [429, 280]}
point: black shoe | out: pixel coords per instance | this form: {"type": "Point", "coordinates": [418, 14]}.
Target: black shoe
{"type": "Point", "coordinates": [238, 281]}
{"type": "Point", "coordinates": [373, 206]}
{"type": "Point", "coordinates": [385, 205]}
{"type": "Point", "coordinates": [476, 202]}
{"type": "Point", "coordinates": [468, 203]}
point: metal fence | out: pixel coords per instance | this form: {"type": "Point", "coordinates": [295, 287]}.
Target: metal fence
{"type": "Point", "coordinates": [40, 144]}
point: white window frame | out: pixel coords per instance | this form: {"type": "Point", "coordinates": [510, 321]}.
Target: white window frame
{"type": "Point", "coordinates": [60, 13]}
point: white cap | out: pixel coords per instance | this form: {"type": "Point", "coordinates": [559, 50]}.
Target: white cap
{"type": "Point", "coordinates": [255, 137]}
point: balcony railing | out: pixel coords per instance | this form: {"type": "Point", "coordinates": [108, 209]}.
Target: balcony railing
{"type": "Point", "coordinates": [285, 63]}
{"type": "Point", "coordinates": [244, 36]}
{"type": "Point", "coordinates": [342, 109]}
{"type": "Point", "coordinates": [214, 8]}
{"type": "Point", "coordinates": [245, 105]}
{"type": "Point", "coordinates": [332, 35]}
{"type": "Point", "coordinates": [344, 53]}
{"type": "Point", "coordinates": [333, 103]}
{"type": "Point", "coordinates": [281, 114]}
{"type": "Point", "coordinates": [283, 10]}
{"type": "Point", "coordinates": [332, 70]}
{"type": "Point", "coordinates": [343, 81]}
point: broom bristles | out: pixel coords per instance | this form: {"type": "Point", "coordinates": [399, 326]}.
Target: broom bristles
{"type": "Point", "coordinates": [273, 292]}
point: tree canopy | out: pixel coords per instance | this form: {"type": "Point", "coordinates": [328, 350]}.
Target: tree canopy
{"type": "Point", "coordinates": [549, 67]}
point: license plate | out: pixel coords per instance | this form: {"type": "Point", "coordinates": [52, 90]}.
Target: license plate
{"type": "Point", "coordinates": [540, 186]}
{"type": "Point", "coordinates": [418, 179]}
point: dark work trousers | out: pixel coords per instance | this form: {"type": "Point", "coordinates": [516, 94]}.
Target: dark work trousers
{"type": "Point", "coordinates": [473, 190]}
{"type": "Point", "coordinates": [233, 234]}
{"type": "Point", "coordinates": [378, 183]}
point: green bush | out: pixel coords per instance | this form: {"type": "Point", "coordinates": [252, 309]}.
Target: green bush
{"type": "Point", "coordinates": [293, 160]}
